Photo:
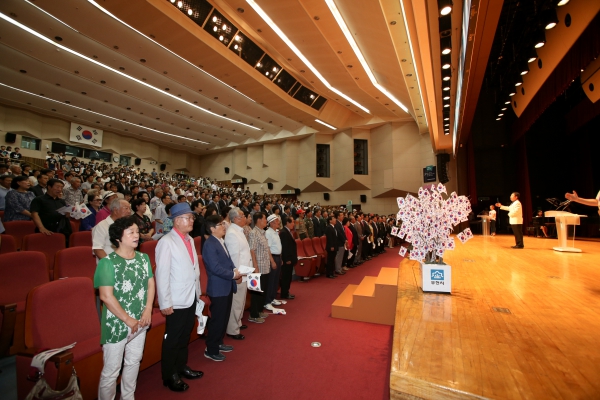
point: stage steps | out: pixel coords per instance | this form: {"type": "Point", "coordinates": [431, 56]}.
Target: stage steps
{"type": "Point", "coordinates": [373, 300]}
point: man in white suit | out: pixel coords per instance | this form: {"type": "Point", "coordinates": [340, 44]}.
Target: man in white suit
{"type": "Point", "coordinates": [515, 215]}
{"type": "Point", "coordinates": [239, 251]}
{"type": "Point", "coordinates": [178, 287]}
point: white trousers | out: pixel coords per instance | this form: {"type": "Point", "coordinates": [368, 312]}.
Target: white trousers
{"type": "Point", "coordinates": [113, 358]}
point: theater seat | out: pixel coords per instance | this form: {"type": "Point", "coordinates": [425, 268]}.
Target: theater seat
{"type": "Point", "coordinates": [310, 251]}
{"type": "Point", "coordinates": [149, 248]}
{"type": "Point", "coordinates": [59, 313]}
{"type": "Point", "coordinates": [80, 239]}
{"type": "Point", "coordinates": [306, 267]}
{"type": "Point", "coordinates": [198, 245]}
{"type": "Point", "coordinates": [18, 230]}
{"type": "Point", "coordinates": [19, 273]}
{"type": "Point", "coordinates": [47, 244]}
{"type": "Point", "coordinates": [8, 244]}
{"type": "Point", "coordinates": [319, 247]}
{"type": "Point", "coordinates": [75, 262]}
{"type": "Point", "coordinates": [203, 285]}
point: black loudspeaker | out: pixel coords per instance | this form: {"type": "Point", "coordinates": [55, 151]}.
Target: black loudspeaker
{"type": "Point", "coordinates": [244, 181]}
{"type": "Point", "coordinates": [363, 198]}
{"type": "Point", "coordinates": [442, 163]}
{"type": "Point", "coordinates": [270, 186]}
{"type": "Point", "coordinates": [297, 191]}
{"type": "Point", "coordinates": [325, 196]}
{"type": "Point", "coordinates": [226, 170]}
{"type": "Point", "coordinates": [138, 161]}
{"type": "Point", "coordinates": [10, 137]}
{"type": "Point", "coordinates": [163, 167]}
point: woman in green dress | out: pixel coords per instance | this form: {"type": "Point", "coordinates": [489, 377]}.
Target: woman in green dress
{"type": "Point", "coordinates": [126, 285]}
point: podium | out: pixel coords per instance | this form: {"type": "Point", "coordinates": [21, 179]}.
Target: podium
{"type": "Point", "coordinates": [563, 219]}
{"type": "Point", "coordinates": [485, 224]}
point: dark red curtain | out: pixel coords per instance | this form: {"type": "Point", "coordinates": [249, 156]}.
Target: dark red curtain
{"type": "Point", "coordinates": [583, 52]}
{"type": "Point", "coordinates": [471, 178]}
{"type": "Point", "coordinates": [523, 181]}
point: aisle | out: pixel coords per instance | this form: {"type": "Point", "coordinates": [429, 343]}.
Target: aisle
{"type": "Point", "coordinates": [276, 360]}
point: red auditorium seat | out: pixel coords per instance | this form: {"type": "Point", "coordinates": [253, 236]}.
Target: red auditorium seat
{"type": "Point", "coordinates": [149, 248]}
{"type": "Point", "coordinates": [19, 273]}
{"type": "Point", "coordinates": [75, 262]}
{"type": "Point", "coordinates": [47, 244]}
{"type": "Point", "coordinates": [306, 267]}
{"type": "Point", "coordinates": [80, 239]}
{"type": "Point", "coordinates": [59, 313]}
{"type": "Point", "coordinates": [198, 244]}
{"type": "Point", "coordinates": [8, 244]}
{"type": "Point", "coordinates": [310, 251]}
{"type": "Point", "coordinates": [319, 247]}
{"type": "Point", "coordinates": [324, 243]}
{"type": "Point", "coordinates": [18, 230]}
{"type": "Point", "coordinates": [204, 285]}
{"type": "Point", "coordinates": [1, 215]}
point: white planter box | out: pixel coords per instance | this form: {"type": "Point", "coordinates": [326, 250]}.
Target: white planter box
{"type": "Point", "coordinates": [435, 278]}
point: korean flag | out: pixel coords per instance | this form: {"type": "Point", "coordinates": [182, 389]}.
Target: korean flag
{"type": "Point", "coordinates": [254, 282]}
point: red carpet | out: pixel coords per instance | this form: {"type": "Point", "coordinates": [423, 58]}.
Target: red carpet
{"type": "Point", "coordinates": [276, 360]}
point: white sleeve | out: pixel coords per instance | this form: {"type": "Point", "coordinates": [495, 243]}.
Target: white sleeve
{"type": "Point", "coordinates": [233, 248]}
{"type": "Point", "coordinates": [163, 274]}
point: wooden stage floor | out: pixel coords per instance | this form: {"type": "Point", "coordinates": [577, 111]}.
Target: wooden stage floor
{"type": "Point", "coordinates": [458, 347]}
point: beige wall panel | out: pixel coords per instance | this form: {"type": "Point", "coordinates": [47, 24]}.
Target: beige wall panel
{"type": "Point", "coordinates": [240, 159]}
{"type": "Point", "coordinates": [307, 161]}
{"type": "Point", "coordinates": [381, 144]}
{"type": "Point", "coordinates": [290, 163]}
{"type": "Point", "coordinates": [342, 165]}
{"type": "Point", "coordinates": [272, 157]}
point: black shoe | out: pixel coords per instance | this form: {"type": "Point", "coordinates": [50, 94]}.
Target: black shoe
{"type": "Point", "coordinates": [237, 337]}
{"type": "Point", "coordinates": [288, 296]}
{"type": "Point", "coordinates": [331, 277]}
{"type": "Point", "coordinates": [243, 327]}
{"type": "Point", "coordinates": [225, 348]}
{"type": "Point", "coordinates": [189, 373]}
{"type": "Point", "coordinates": [175, 384]}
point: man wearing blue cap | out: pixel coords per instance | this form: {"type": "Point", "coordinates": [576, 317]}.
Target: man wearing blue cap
{"type": "Point", "coordinates": [178, 287]}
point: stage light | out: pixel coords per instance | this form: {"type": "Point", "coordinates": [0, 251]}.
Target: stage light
{"type": "Point", "coordinates": [519, 81]}
{"type": "Point", "coordinates": [447, 98]}
{"type": "Point", "coordinates": [180, 4]}
{"type": "Point", "coordinates": [540, 39]}
{"type": "Point", "coordinates": [446, 43]}
{"type": "Point", "coordinates": [498, 119]}
{"type": "Point", "coordinates": [190, 12]}
{"type": "Point", "coordinates": [500, 114]}
{"type": "Point", "coordinates": [507, 102]}
{"type": "Point", "coordinates": [446, 105]}
{"type": "Point", "coordinates": [532, 56]}
{"type": "Point", "coordinates": [445, 7]}
{"type": "Point", "coordinates": [523, 68]}
{"type": "Point", "coordinates": [447, 119]}
{"type": "Point", "coordinates": [446, 74]}
{"type": "Point", "coordinates": [504, 109]}
{"type": "Point", "coordinates": [562, 2]}
{"type": "Point", "coordinates": [447, 88]}
{"type": "Point", "coordinates": [446, 62]}
{"type": "Point", "coordinates": [549, 18]}
{"type": "Point", "coordinates": [511, 94]}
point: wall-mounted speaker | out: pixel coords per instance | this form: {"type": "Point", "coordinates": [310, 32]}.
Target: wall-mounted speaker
{"type": "Point", "coordinates": [10, 137]}
{"type": "Point", "coordinates": [325, 196]}
{"type": "Point", "coordinates": [270, 185]}
{"type": "Point", "coordinates": [163, 167]}
{"type": "Point", "coordinates": [226, 170]}
{"type": "Point", "coordinates": [442, 163]}
{"type": "Point", "coordinates": [363, 198]}
{"type": "Point", "coordinates": [244, 180]}
{"type": "Point", "coordinates": [297, 191]}
{"type": "Point", "coordinates": [138, 161]}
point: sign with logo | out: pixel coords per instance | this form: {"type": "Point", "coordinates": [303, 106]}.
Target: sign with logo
{"type": "Point", "coordinates": [349, 205]}
{"type": "Point", "coordinates": [289, 191]}
{"type": "Point", "coordinates": [429, 174]}
{"type": "Point", "coordinates": [85, 135]}
{"type": "Point", "coordinates": [436, 278]}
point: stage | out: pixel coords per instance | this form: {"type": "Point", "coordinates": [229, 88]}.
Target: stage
{"type": "Point", "coordinates": [519, 324]}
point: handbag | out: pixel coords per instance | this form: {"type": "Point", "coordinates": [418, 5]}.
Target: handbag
{"type": "Point", "coordinates": [42, 390]}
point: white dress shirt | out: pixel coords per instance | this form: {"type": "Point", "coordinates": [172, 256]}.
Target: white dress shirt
{"type": "Point", "coordinates": [238, 247]}
{"type": "Point", "coordinates": [274, 241]}
{"type": "Point", "coordinates": [515, 212]}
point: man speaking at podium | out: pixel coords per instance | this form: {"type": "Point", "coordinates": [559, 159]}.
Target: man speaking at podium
{"type": "Point", "coordinates": [515, 215]}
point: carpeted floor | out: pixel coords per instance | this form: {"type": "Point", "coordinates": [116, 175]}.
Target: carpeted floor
{"type": "Point", "coordinates": [276, 360]}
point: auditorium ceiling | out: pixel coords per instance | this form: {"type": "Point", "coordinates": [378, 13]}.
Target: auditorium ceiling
{"type": "Point", "coordinates": [204, 76]}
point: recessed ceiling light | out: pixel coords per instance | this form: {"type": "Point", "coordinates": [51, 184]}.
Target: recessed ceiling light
{"type": "Point", "coordinates": [447, 88]}
{"type": "Point", "coordinates": [562, 2]}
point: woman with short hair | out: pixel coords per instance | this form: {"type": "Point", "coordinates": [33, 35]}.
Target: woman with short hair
{"type": "Point", "coordinates": [18, 200]}
{"type": "Point", "coordinates": [139, 208]}
{"type": "Point", "coordinates": [126, 285]}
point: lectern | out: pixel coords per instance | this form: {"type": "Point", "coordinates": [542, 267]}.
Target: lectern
{"type": "Point", "coordinates": [563, 219]}
{"type": "Point", "coordinates": [485, 224]}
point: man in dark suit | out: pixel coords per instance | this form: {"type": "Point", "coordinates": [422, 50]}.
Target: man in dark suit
{"type": "Point", "coordinates": [355, 241]}
{"type": "Point", "coordinates": [366, 247]}
{"type": "Point", "coordinates": [317, 224]}
{"type": "Point", "coordinates": [40, 189]}
{"type": "Point", "coordinates": [332, 245]}
{"type": "Point", "coordinates": [341, 241]}
{"type": "Point", "coordinates": [289, 257]}
{"type": "Point", "coordinates": [222, 276]}
{"type": "Point", "coordinates": [223, 203]}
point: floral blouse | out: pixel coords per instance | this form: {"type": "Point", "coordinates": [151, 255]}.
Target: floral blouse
{"type": "Point", "coordinates": [15, 203]}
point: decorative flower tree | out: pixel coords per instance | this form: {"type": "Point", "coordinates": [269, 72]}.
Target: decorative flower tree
{"type": "Point", "coordinates": [428, 220]}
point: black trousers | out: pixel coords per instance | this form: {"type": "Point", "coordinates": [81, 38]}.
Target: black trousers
{"type": "Point", "coordinates": [273, 280]}
{"type": "Point", "coordinates": [220, 308]}
{"type": "Point", "coordinates": [518, 232]}
{"type": "Point", "coordinates": [492, 226]}
{"type": "Point", "coordinates": [257, 299]}
{"type": "Point", "coordinates": [330, 268]}
{"type": "Point", "coordinates": [178, 328]}
{"type": "Point", "coordinates": [286, 279]}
